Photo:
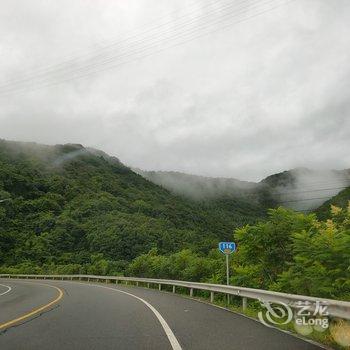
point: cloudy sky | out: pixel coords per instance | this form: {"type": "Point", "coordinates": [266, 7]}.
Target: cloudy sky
{"type": "Point", "coordinates": [213, 87]}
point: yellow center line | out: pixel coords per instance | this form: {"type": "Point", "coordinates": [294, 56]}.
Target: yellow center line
{"type": "Point", "coordinates": [35, 311]}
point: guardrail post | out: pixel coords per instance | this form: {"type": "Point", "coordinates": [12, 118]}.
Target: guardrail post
{"type": "Point", "coordinates": [174, 289]}
{"type": "Point", "coordinates": [191, 292]}
{"type": "Point", "coordinates": [211, 297]}
{"type": "Point", "coordinates": [106, 281]}
{"type": "Point", "coordinates": [126, 282]}
{"type": "Point", "coordinates": [244, 304]}
{"type": "Point", "coordinates": [160, 287]}
{"type": "Point", "coordinates": [147, 285]}
{"type": "Point", "coordinates": [137, 284]}
{"type": "Point", "coordinates": [88, 279]}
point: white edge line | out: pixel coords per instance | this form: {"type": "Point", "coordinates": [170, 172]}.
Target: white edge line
{"type": "Point", "coordinates": [169, 333]}
{"type": "Point", "coordinates": [176, 343]}
{"type": "Point", "coordinates": [8, 290]}
{"type": "Point", "coordinates": [295, 335]}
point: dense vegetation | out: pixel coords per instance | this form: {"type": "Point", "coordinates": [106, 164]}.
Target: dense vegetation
{"type": "Point", "coordinates": [72, 207]}
{"type": "Point", "coordinates": [290, 252]}
{"type": "Point", "coordinates": [76, 210]}
{"type": "Point", "coordinates": [340, 200]}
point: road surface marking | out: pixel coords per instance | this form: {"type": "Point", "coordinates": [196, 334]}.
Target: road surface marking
{"type": "Point", "coordinates": [35, 311]}
{"type": "Point", "coordinates": [8, 289]}
{"type": "Point", "coordinates": [169, 333]}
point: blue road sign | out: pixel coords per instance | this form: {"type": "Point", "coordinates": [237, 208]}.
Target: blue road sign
{"type": "Point", "coordinates": [227, 247]}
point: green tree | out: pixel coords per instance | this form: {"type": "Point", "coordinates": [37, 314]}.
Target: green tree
{"type": "Point", "coordinates": [265, 250]}
{"type": "Point", "coordinates": [321, 259]}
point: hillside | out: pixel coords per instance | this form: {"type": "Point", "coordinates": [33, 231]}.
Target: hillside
{"type": "Point", "coordinates": [306, 189]}
{"type": "Point", "coordinates": [72, 209]}
{"type": "Point", "coordinates": [69, 203]}
{"type": "Point", "coordinates": [341, 200]}
{"type": "Point", "coordinates": [197, 187]}
{"type": "Point", "coordinates": [299, 189]}
{"type": "Point", "coordinates": [210, 190]}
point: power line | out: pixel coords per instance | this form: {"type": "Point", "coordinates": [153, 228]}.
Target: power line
{"type": "Point", "coordinates": [256, 196]}
{"type": "Point", "coordinates": [72, 59]}
{"type": "Point", "coordinates": [302, 200]}
{"type": "Point", "coordinates": [109, 62]}
{"type": "Point", "coordinates": [335, 180]}
{"type": "Point", "coordinates": [274, 193]}
{"type": "Point", "coordinates": [105, 60]}
{"type": "Point", "coordinates": [318, 190]}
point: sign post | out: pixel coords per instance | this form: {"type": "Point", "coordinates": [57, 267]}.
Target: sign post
{"type": "Point", "coordinates": [227, 248]}
{"type": "Point", "coordinates": [227, 271]}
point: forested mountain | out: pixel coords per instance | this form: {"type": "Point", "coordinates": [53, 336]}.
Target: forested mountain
{"type": "Point", "coordinates": [68, 203]}
{"type": "Point", "coordinates": [219, 192]}
{"type": "Point", "coordinates": [341, 200]}
{"type": "Point", "coordinates": [70, 209]}
{"type": "Point", "coordinates": [198, 187]}
{"type": "Point", "coordinates": [305, 189]}
{"type": "Point", "coordinates": [299, 189]}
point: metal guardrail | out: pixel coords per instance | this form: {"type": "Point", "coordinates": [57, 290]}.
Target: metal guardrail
{"type": "Point", "coordinates": [335, 308]}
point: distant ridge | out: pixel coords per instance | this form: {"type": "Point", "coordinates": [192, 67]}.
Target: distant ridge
{"type": "Point", "coordinates": [300, 188]}
{"type": "Point", "coordinates": [341, 200]}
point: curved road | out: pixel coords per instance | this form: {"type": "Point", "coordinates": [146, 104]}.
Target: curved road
{"type": "Point", "coordinates": [66, 315]}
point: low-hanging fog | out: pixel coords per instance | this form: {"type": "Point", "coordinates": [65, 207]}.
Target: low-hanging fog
{"type": "Point", "coordinates": [301, 188]}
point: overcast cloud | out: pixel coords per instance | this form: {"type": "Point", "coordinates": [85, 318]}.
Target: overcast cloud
{"type": "Point", "coordinates": [263, 96]}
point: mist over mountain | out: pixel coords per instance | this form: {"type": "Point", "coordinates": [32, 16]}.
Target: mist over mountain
{"type": "Point", "coordinates": [306, 189]}
{"type": "Point", "coordinates": [71, 209]}
{"type": "Point", "coordinates": [67, 203]}
{"type": "Point", "coordinates": [300, 188]}
{"type": "Point", "coordinates": [198, 187]}
{"type": "Point", "coordinates": [341, 200]}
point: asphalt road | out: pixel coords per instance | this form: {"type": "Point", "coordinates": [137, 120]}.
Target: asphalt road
{"type": "Point", "coordinates": [97, 316]}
